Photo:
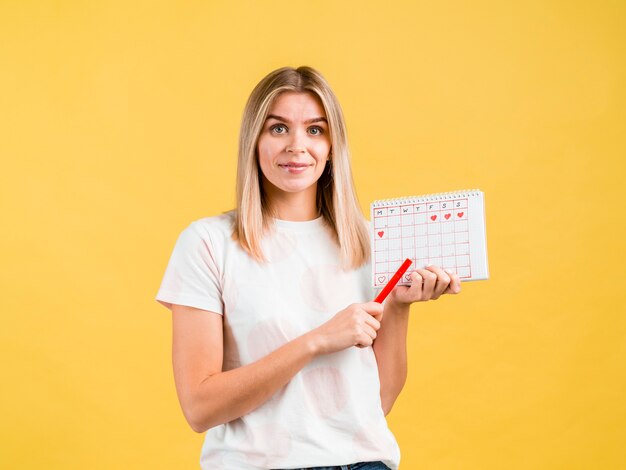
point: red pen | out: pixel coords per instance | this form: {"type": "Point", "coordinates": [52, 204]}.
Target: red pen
{"type": "Point", "coordinates": [394, 280]}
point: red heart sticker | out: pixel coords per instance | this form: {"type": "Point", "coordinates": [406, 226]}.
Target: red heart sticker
{"type": "Point", "coordinates": [381, 279]}
{"type": "Point", "coordinates": [380, 234]}
{"type": "Point", "coordinates": [433, 217]}
{"type": "Point", "coordinates": [447, 216]}
{"type": "Point", "coordinates": [460, 214]}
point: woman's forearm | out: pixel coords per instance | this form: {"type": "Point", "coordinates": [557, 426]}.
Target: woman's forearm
{"type": "Point", "coordinates": [390, 350]}
{"type": "Point", "coordinates": [228, 395]}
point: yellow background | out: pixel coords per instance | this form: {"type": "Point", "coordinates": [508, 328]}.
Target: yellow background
{"type": "Point", "coordinates": [119, 125]}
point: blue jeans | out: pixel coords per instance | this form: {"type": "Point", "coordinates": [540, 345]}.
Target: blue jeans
{"type": "Point", "coordinates": [353, 466]}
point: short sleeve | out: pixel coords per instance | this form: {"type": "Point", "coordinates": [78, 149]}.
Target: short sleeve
{"type": "Point", "coordinates": [192, 277]}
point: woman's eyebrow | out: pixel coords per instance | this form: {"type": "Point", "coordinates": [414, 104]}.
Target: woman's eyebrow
{"type": "Point", "coordinates": [309, 121]}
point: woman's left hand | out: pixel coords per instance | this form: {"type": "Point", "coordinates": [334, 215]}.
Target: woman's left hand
{"type": "Point", "coordinates": [426, 284]}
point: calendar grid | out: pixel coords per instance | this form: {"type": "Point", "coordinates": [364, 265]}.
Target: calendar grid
{"type": "Point", "coordinates": [431, 230]}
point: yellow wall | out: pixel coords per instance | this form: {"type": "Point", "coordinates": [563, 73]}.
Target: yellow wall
{"type": "Point", "coordinates": [118, 125]}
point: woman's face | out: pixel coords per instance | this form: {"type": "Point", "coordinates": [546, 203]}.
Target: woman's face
{"type": "Point", "coordinates": [294, 144]}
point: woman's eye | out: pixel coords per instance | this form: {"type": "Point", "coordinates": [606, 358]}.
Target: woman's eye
{"type": "Point", "coordinates": [316, 130]}
{"type": "Point", "coordinates": [278, 129]}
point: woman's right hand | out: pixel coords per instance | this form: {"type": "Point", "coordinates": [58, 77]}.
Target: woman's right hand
{"type": "Point", "coordinates": [355, 325]}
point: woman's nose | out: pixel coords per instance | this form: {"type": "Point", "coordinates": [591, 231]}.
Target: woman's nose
{"type": "Point", "coordinates": [296, 143]}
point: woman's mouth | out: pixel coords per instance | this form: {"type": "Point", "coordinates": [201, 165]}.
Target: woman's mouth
{"type": "Point", "coordinates": [294, 168]}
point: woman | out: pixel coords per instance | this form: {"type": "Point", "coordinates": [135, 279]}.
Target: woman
{"type": "Point", "coordinates": [269, 299]}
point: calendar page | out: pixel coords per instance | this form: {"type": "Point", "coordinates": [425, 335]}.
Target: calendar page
{"type": "Point", "coordinates": [444, 229]}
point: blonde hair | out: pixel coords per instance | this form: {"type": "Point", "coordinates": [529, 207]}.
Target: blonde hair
{"type": "Point", "coordinates": [336, 197]}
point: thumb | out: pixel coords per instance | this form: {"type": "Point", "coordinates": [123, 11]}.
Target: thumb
{"type": "Point", "coordinates": [374, 309]}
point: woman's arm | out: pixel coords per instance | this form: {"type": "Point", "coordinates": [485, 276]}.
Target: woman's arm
{"type": "Point", "coordinates": [390, 350]}
{"type": "Point", "coordinates": [207, 395]}
{"type": "Point", "coordinates": [390, 344]}
{"type": "Point", "coordinates": [210, 397]}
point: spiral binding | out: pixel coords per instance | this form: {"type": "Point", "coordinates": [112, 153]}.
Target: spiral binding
{"type": "Point", "coordinates": [427, 197]}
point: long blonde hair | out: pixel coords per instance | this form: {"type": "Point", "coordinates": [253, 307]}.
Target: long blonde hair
{"type": "Point", "coordinates": [336, 197]}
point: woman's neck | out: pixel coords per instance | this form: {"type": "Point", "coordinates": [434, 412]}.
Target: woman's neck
{"type": "Point", "coordinates": [295, 207]}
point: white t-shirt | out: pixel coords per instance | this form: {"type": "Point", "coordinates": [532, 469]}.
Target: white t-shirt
{"type": "Point", "coordinates": [330, 412]}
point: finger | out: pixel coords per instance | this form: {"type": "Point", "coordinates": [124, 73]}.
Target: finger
{"type": "Point", "coordinates": [366, 338]}
{"type": "Point", "coordinates": [430, 279]}
{"type": "Point", "coordinates": [411, 293]}
{"type": "Point", "coordinates": [414, 292]}
{"type": "Point", "coordinates": [369, 331]}
{"type": "Point", "coordinates": [372, 322]}
{"type": "Point", "coordinates": [455, 283]}
{"type": "Point", "coordinates": [374, 309]}
{"type": "Point", "coordinates": [443, 281]}
{"type": "Point", "coordinates": [416, 287]}
{"type": "Point", "coordinates": [402, 294]}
